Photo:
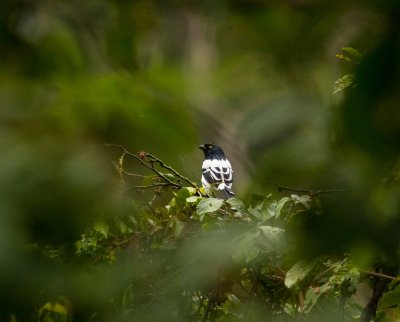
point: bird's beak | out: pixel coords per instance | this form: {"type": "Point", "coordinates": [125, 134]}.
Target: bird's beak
{"type": "Point", "coordinates": [202, 147]}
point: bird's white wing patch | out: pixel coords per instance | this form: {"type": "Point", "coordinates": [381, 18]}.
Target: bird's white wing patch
{"type": "Point", "coordinates": [217, 172]}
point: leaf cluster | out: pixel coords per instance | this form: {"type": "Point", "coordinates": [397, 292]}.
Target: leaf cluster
{"type": "Point", "coordinates": [201, 258]}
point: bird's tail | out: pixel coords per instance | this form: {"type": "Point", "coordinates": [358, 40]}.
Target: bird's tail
{"type": "Point", "coordinates": [228, 193]}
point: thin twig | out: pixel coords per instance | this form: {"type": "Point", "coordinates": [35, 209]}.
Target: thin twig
{"type": "Point", "coordinates": [133, 174]}
{"type": "Point", "coordinates": [145, 164]}
{"type": "Point", "coordinates": [154, 185]}
{"type": "Point", "coordinates": [309, 191]}
{"type": "Point", "coordinates": [145, 202]}
{"type": "Point", "coordinates": [163, 165]}
{"type": "Point", "coordinates": [380, 275]}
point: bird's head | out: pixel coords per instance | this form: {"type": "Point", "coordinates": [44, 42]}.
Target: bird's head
{"type": "Point", "coordinates": [212, 150]}
{"type": "Point", "coordinates": [206, 146]}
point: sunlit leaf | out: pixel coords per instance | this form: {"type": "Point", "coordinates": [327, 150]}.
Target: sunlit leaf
{"type": "Point", "coordinates": [208, 205]}
{"type": "Point", "coordinates": [102, 228]}
{"type": "Point", "coordinates": [353, 53]}
{"type": "Point", "coordinates": [56, 311]}
{"type": "Point", "coordinates": [193, 199]}
{"type": "Point", "coordinates": [343, 83]}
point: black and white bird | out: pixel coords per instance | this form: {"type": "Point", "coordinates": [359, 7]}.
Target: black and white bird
{"type": "Point", "coordinates": [217, 174]}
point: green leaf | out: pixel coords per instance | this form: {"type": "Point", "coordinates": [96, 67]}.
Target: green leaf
{"type": "Point", "coordinates": [389, 315]}
{"type": "Point", "coordinates": [59, 309]}
{"type": "Point", "coordinates": [179, 225]}
{"type": "Point", "coordinates": [245, 247]}
{"type": "Point", "coordinates": [260, 209]}
{"type": "Point", "coordinates": [343, 82]}
{"type": "Point", "coordinates": [168, 175]}
{"type": "Point", "coordinates": [305, 200]}
{"type": "Point", "coordinates": [102, 228]}
{"type": "Point", "coordinates": [78, 246]}
{"type": "Point", "coordinates": [192, 199]}
{"type": "Point", "coordinates": [237, 204]}
{"type": "Point", "coordinates": [353, 53]}
{"type": "Point", "coordinates": [298, 273]}
{"type": "Point", "coordinates": [312, 296]}
{"type": "Point", "coordinates": [272, 232]}
{"type": "Point", "coordinates": [275, 208]}
{"type": "Point", "coordinates": [274, 236]}
{"type": "Point", "coordinates": [182, 195]}
{"type": "Point", "coordinates": [148, 180]}
{"type": "Point", "coordinates": [390, 299]}
{"type": "Point", "coordinates": [122, 227]}
{"type": "Point", "coordinates": [208, 205]}
{"type": "Point", "coordinates": [191, 190]}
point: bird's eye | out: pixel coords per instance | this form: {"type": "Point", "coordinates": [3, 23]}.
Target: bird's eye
{"type": "Point", "coordinates": [209, 146]}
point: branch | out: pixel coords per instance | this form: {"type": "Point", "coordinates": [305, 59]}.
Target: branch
{"type": "Point", "coordinates": [133, 174]}
{"type": "Point", "coordinates": [380, 275]}
{"type": "Point", "coordinates": [142, 156]}
{"type": "Point", "coordinates": [163, 165]}
{"type": "Point", "coordinates": [154, 185]}
{"type": "Point", "coordinates": [309, 191]}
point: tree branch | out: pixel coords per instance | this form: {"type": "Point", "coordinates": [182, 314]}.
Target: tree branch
{"type": "Point", "coordinates": [163, 165]}
{"type": "Point", "coordinates": [380, 275]}
{"type": "Point", "coordinates": [309, 191]}
{"type": "Point", "coordinates": [141, 157]}
{"type": "Point", "coordinates": [154, 185]}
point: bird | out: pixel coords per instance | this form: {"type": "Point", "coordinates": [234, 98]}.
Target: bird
{"type": "Point", "coordinates": [217, 174]}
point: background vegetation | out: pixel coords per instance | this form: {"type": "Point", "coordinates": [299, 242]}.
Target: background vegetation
{"type": "Point", "coordinates": [90, 232]}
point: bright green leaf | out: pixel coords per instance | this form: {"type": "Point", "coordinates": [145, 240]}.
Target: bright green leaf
{"type": "Point", "coordinates": [353, 53]}
{"type": "Point", "coordinates": [102, 228]}
{"type": "Point", "coordinates": [191, 190]}
{"type": "Point", "coordinates": [208, 205]}
{"type": "Point", "coordinates": [343, 82]}
{"type": "Point", "coordinates": [192, 199]}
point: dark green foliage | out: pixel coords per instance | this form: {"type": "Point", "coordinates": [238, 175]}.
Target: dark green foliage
{"type": "Point", "coordinates": [196, 258]}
